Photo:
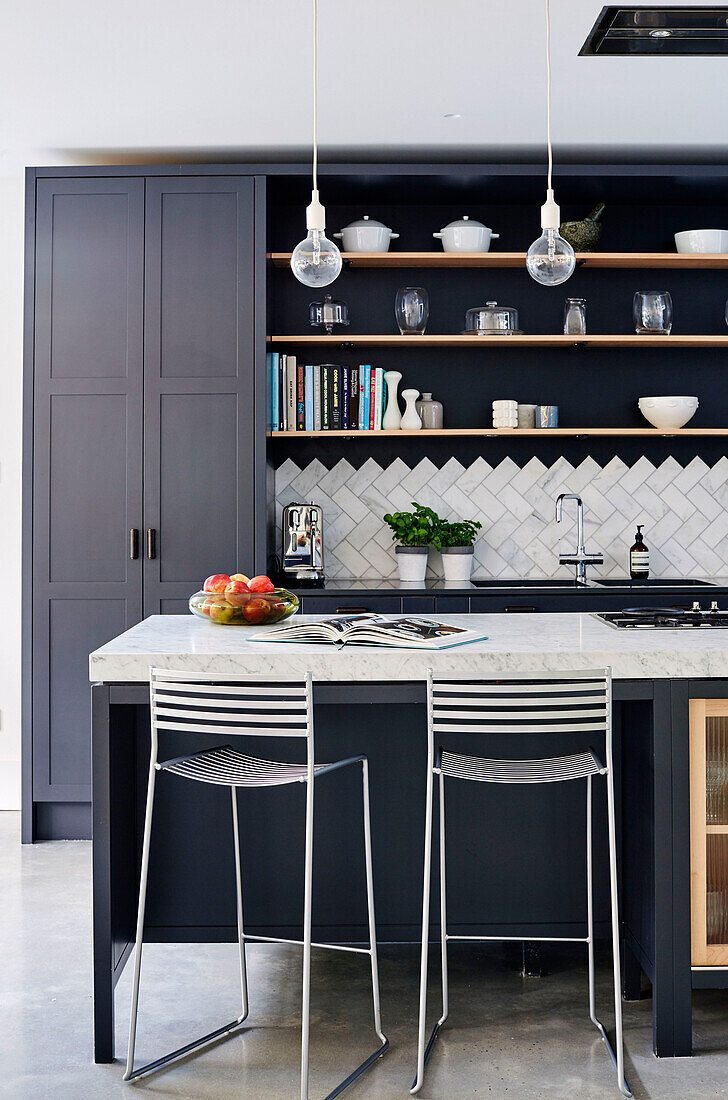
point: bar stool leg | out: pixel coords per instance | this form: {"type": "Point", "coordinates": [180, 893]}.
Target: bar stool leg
{"type": "Point", "coordinates": [307, 891]}
{"type": "Point", "coordinates": [421, 1052]}
{"type": "Point", "coordinates": [140, 909]}
{"type": "Point", "coordinates": [443, 908]}
{"type": "Point", "coordinates": [370, 907]}
{"type": "Point", "coordinates": [623, 1086]}
{"type": "Point", "coordinates": [239, 904]}
{"type": "Point", "coordinates": [590, 905]}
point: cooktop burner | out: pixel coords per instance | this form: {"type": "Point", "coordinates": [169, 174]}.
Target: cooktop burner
{"type": "Point", "coordinates": [666, 618]}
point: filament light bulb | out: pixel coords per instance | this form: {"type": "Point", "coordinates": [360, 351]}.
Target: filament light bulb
{"type": "Point", "coordinates": [550, 260]}
{"type": "Point", "coordinates": [316, 261]}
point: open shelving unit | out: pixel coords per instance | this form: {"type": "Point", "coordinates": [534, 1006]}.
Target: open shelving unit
{"type": "Point", "coordinates": [502, 433]}
{"type": "Point", "coordinates": [689, 260]}
{"type": "Point", "coordinates": [454, 340]}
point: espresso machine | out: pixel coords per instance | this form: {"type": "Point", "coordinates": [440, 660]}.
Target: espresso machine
{"type": "Point", "coordinates": [302, 554]}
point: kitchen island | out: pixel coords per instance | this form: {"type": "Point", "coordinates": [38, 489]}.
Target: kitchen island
{"type": "Point", "coordinates": [510, 877]}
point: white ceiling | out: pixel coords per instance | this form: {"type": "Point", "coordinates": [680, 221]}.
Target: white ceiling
{"type": "Point", "coordinates": [89, 80]}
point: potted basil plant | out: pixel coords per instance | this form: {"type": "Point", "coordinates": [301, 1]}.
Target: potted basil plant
{"type": "Point", "coordinates": [455, 543]}
{"type": "Point", "coordinates": [413, 534]}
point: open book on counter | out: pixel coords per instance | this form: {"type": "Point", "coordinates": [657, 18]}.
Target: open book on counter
{"type": "Point", "coordinates": [404, 633]}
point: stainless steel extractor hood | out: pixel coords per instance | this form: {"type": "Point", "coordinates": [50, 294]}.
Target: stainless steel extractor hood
{"type": "Point", "coordinates": [658, 32]}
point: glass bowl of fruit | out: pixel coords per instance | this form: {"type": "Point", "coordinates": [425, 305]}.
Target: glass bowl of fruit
{"type": "Point", "coordinates": [238, 600]}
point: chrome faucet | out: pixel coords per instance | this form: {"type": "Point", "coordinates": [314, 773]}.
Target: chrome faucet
{"type": "Point", "coordinates": [579, 559]}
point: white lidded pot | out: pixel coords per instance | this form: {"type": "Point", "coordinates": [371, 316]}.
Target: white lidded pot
{"type": "Point", "coordinates": [366, 235]}
{"type": "Point", "coordinates": [466, 235]}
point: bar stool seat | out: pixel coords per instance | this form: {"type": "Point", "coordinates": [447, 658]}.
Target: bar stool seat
{"type": "Point", "coordinates": [230, 768]}
{"type": "Point", "coordinates": [554, 769]}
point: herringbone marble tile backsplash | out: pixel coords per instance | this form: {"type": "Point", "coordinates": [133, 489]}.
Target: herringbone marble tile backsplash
{"type": "Point", "coordinates": [684, 510]}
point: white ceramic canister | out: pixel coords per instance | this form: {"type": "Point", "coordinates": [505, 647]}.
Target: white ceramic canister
{"type": "Point", "coordinates": [366, 235]}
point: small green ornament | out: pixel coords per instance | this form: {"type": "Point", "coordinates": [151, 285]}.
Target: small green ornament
{"type": "Point", "coordinates": [583, 236]}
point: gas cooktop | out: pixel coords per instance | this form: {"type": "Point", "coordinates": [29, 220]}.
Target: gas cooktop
{"type": "Point", "coordinates": [666, 618]}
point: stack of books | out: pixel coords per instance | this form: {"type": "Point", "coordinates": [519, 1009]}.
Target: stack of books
{"type": "Point", "coordinates": [324, 396]}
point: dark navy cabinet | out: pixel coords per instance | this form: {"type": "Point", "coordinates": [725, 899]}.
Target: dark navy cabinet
{"type": "Point", "coordinates": [143, 352]}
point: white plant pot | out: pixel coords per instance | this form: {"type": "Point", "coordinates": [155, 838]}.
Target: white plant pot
{"type": "Point", "coordinates": [457, 562]}
{"type": "Point", "coordinates": [412, 562]}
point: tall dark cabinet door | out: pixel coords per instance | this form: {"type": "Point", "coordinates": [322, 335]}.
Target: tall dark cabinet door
{"type": "Point", "coordinates": [198, 385]}
{"type": "Point", "coordinates": [87, 457]}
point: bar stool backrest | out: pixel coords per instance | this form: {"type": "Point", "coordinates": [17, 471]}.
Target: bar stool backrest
{"type": "Point", "coordinates": [188, 702]}
{"type": "Point", "coordinates": [564, 702]}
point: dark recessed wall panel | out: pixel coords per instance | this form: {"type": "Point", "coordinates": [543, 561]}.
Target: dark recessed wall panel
{"type": "Point", "coordinates": [197, 485]}
{"type": "Point", "coordinates": [199, 285]}
{"type": "Point", "coordinates": [90, 278]}
{"type": "Point", "coordinates": [88, 487]}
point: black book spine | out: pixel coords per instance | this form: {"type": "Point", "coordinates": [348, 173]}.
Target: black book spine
{"type": "Point", "coordinates": [335, 375]}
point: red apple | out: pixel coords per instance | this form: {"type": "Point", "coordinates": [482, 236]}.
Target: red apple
{"type": "Point", "coordinates": [277, 609]}
{"type": "Point", "coordinates": [261, 584]}
{"type": "Point", "coordinates": [218, 582]}
{"type": "Point", "coordinates": [207, 605]}
{"type": "Point", "coordinates": [257, 611]}
{"type": "Point", "coordinates": [237, 593]}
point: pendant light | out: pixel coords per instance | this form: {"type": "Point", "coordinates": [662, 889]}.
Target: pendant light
{"type": "Point", "coordinates": [316, 261]}
{"type": "Point", "coordinates": [550, 260]}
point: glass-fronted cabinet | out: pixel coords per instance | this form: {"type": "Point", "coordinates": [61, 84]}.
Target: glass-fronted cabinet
{"type": "Point", "coordinates": [709, 831]}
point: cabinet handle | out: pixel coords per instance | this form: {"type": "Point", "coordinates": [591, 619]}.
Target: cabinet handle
{"type": "Point", "coordinates": [519, 608]}
{"type": "Point", "coordinates": [133, 543]}
{"type": "Point", "coordinates": [351, 610]}
{"type": "Point", "coordinates": [151, 543]}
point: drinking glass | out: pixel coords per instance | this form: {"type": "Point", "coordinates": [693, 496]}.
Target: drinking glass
{"type": "Point", "coordinates": [412, 308]}
{"type": "Point", "coordinates": [575, 317]}
{"type": "Point", "coordinates": [652, 312]}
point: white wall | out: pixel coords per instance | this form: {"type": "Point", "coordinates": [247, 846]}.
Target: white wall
{"type": "Point", "coordinates": [86, 82]}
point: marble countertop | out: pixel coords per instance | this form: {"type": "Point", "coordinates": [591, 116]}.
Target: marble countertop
{"type": "Point", "coordinates": [514, 643]}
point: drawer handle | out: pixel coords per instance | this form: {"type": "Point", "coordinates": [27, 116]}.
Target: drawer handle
{"type": "Point", "coordinates": [133, 543]}
{"type": "Point", "coordinates": [352, 610]}
{"type": "Point", "coordinates": [151, 543]}
{"type": "Point", "coordinates": [519, 608]}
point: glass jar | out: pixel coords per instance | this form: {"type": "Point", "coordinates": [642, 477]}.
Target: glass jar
{"type": "Point", "coordinates": [652, 312]}
{"type": "Point", "coordinates": [575, 317]}
{"type": "Point", "coordinates": [412, 309]}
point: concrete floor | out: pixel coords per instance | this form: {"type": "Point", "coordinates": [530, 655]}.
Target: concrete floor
{"type": "Point", "coordinates": [507, 1037]}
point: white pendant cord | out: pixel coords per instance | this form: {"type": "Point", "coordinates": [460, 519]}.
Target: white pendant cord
{"type": "Point", "coordinates": [315, 95]}
{"type": "Point", "coordinates": [548, 88]}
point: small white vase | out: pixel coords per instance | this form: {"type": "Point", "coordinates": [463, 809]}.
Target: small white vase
{"type": "Point", "coordinates": [411, 419]}
{"type": "Point", "coordinates": [412, 562]}
{"type": "Point", "coordinates": [392, 416]}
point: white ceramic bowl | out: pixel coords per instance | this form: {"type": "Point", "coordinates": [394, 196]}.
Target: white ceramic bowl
{"type": "Point", "coordinates": [702, 240]}
{"type": "Point", "coordinates": [668, 412]}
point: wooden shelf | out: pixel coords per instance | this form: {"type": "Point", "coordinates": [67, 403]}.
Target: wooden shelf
{"type": "Point", "coordinates": [542, 341]}
{"type": "Point", "coordinates": [503, 432]}
{"type": "Point", "coordinates": [518, 259]}
{"type": "Point", "coordinates": [716, 830]}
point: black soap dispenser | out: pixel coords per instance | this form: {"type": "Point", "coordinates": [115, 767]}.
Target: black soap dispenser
{"type": "Point", "coordinates": [639, 558]}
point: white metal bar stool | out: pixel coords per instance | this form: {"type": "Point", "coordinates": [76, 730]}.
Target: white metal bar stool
{"type": "Point", "coordinates": [187, 702]}
{"type": "Point", "coordinates": [569, 702]}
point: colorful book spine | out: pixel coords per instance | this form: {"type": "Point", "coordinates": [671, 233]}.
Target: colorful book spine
{"type": "Point", "coordinates": [325, 397]}
{"type": "Point", "coordinates": [379, 372]}
{"type": "Point", "coordinates": [282, 395]}
{"type": "Point", "coordinates": [345, 397]}
{"type": "Point", "coordinates": [364, 398]}
{"type": "Point", "coordinates": [317, 397]}
{"type": "Point", "coordinates": [274, 391]}
{"type": "Point", "coordinates": [308, 397]}
{"type": "Point", "coordinates": [300, 397]}
{"type": "Point", "coordinates": [372, 397]}
{"type": "Point", "coordinates": [335, 375]}
{"type": "Point", "coordinates": [291, 393]}
{"type": "Point", "coordinates": [354, 398]}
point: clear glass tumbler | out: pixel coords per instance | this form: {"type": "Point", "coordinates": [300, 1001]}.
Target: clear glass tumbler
{"type": "Point", "coordinates": [575, 317]}
{"type": "Point", "coordinates": [412, 308]}
{"type": "Point", "coordinates": [652, 312]}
